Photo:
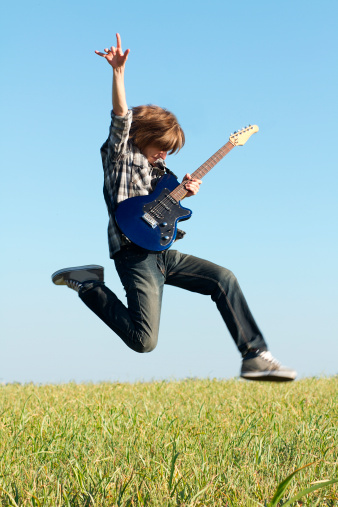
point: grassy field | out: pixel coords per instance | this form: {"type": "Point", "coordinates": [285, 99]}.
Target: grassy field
{"type": "Point", "coordinates": [187, 443]}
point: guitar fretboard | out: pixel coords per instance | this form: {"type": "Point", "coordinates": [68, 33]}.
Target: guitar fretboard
{"type": "Point", "coordinates": [180, 191]}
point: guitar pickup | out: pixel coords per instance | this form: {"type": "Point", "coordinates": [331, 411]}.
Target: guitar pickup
{"type": "Point", "coordinates": [150, 220]}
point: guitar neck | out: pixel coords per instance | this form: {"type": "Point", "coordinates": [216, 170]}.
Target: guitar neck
{"type": "Point", "coordinates": [180, 191]}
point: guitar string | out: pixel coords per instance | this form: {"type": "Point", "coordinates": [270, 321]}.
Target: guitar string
{"type": "Point", "coordinates": [201, 171]}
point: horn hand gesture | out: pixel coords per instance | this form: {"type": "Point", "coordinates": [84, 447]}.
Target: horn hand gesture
{"type": "Point", "coordinates": [115, 56]}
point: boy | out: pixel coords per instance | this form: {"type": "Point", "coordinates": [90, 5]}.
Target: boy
{"type": "Point", "coordinates": [133, 160]}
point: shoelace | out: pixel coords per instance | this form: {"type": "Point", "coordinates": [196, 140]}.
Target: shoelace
{"type": "Point", "coordinates": [265, 354]}
{"type": "Point", "coordinates": [73, 284]}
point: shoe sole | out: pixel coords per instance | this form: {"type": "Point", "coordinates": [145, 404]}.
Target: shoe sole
{"type": "Point", "coordinates": [270, 376]}
{"type": "Point", "coordinates": [57, 277]}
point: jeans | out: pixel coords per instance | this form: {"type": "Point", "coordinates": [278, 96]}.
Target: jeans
{"type": "Point", "coordinates": [144, 274]}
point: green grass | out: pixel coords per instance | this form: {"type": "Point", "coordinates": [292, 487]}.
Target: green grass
{"type": "Point", "coordinates": [187, 443]}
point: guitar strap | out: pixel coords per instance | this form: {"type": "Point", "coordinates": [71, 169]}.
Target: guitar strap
{"type": "Point", "coordinates": [161, 165]}
{"type": "Point", "coordinates": [170, 172]}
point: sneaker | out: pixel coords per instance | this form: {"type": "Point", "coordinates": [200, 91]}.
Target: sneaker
{"type": "Point", "coordinates": [263, 366]}
{"type": "Point", "coordinates": [75, 277]}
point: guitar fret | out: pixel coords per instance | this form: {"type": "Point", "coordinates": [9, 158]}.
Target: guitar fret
{"type": "Point", "coordinates": [179, 192]}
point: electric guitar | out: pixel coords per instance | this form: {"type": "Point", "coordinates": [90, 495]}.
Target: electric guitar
{"type": "Point", "coordinates": [151, 221]}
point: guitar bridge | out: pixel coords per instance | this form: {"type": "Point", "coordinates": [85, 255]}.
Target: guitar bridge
{"type": "Point", "coordinates": [150, 220]}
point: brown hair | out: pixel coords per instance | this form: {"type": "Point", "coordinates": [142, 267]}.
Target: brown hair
{"type": "Point", "coordinates": [155, 125]}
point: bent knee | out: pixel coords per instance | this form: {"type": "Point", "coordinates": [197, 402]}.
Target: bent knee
{"type": "Point", "coordinates": [146, 345]}
{"type": "Point", "coordinates": [227, 277]}
{"type": "Point", "coordinates": [226, 282]}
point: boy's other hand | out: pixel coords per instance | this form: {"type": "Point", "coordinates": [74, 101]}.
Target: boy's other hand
{"type": "Point", "coordinates": [115, 56]}
{"type": "Point", "coordinates": [192, 185]}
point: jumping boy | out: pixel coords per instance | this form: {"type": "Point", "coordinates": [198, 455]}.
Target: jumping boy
{"type": "Point", "coordinates": [133, 160]}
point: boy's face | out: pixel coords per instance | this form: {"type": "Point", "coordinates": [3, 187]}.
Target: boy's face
{"type": "Point", "coordinates": [153, 153]}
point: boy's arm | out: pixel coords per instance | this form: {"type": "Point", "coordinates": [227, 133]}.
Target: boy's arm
{"type": "Point", "coordinates": [121, 118]}
{"type": "Point", "coordinates": [120, 106]}
{"type": "Point", "coordinates": [117, 59]}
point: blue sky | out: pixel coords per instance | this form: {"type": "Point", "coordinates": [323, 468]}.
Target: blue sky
{"type": "Point", "coordinates": [268, 211]}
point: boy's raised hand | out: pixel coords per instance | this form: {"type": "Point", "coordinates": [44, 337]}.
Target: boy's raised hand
{"type": "Point", "coordinates": [115, 56]}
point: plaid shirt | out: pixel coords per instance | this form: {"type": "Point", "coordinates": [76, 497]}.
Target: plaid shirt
{"type": "Point", "coordinates": [127, 173]}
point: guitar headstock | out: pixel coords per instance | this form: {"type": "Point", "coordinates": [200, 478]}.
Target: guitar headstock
{"type": "Point", "coordinates": [240, 137]}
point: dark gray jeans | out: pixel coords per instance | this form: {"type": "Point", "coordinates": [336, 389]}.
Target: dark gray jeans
{"type": "Point", "coordinates": [143, 275]}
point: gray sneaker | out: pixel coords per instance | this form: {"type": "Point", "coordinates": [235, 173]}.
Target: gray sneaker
{"type": "Point", "coordinates": [75, 277]}
{"type": "Point", "coordinates": [265, 367]}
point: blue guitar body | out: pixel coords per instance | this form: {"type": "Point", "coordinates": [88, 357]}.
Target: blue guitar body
{"type": "Point", "coordinates": [150, 221]}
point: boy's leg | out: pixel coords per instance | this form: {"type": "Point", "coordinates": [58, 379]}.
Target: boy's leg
{"type": "Point", "coordinates": [204, 277]}
{"type": "Point", "coordinates": [138, 323]}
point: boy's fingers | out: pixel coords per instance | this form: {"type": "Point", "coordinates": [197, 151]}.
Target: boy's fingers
{"type": "Point", "coordinates": [114, 50]}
